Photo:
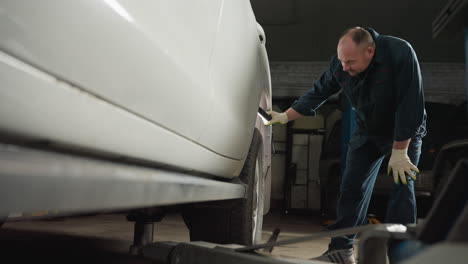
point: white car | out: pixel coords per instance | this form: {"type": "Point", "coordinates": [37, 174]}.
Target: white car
{"type": "Point", "coordinates": [122, 104]}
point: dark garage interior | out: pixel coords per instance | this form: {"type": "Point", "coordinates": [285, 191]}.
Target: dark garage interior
{"type": "Point", "coordinates": [277, 185]}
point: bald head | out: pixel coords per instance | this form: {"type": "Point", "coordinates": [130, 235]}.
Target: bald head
{"type": "Point", "coordinates": [359, 36]}
{"type": "Point", "coordinates": [355, 50]}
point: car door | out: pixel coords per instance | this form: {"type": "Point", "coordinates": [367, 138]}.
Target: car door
{"type": "Point", "coordinates": [149, 58]}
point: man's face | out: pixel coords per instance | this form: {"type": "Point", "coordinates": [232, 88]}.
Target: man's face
{"type": "Point", "coordinates": [354, 59]}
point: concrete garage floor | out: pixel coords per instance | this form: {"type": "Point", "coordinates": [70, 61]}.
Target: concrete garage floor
{"type": "Point", "coordinates": [106, 238]}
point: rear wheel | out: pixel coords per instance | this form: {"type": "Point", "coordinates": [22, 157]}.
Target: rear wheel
{"type": "Point", "coordinates": [236, 221]}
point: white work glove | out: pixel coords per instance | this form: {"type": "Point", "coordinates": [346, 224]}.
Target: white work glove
{"type": "Point", "coordinates": [276, 118]}
{"type": "Point", "coordinates": [400, 164]}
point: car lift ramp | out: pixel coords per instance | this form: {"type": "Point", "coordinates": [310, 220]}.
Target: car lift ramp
{"type": "Point", "coordinates": [36, 180]}
{"type": "Point", "coordinates": [370, 251]}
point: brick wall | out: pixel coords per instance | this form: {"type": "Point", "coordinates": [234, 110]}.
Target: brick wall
{"type": "Point", "coordinates": [443, 82]}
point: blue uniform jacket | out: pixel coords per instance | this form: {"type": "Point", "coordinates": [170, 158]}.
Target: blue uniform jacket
{"type": "Point", "coordinates": [388, 96]}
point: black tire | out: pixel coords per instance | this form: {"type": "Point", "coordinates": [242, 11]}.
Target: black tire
{"type": "Point", "coordinates": [236, 221]}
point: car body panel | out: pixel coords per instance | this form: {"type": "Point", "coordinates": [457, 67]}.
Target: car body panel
{"type": "Point", "coordinates": [130, 61]}
{"type": "Point", "coordinates": [68, 116]}
{"type": "Point", "coordinates": [236, 85]}
{"type": "Point", "coordinates": [67, 184]}
{"type": "Point", "coordinates": [265, 131]}
{"type": "Point", "coordinates": [142, 58]}
{"type": "Point", "coordinates": [132, 79]}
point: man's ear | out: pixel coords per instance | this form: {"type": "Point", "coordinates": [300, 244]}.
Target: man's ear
{"type": "Point", "coordinates": [370, 50]}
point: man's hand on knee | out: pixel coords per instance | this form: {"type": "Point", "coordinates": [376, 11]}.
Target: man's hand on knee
{"type": "Point", "coordinates": [400, 164]}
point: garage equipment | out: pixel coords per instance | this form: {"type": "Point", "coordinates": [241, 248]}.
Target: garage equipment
{"type": "Point", "coordinates": [203, 252]}
{"type": "Point", "coordinates": [272, 239]}
{"type": "Point", "coordinates": [445, 225]}
{"type": "Point", "coordinates": [264, 114]}
{"type": "Point", "coordinates": [304, 140]}
{"type": "Point", "coordinates": [449, 217]}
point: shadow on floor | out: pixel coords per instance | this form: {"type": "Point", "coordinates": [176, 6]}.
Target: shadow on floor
{"type": "Point", "coordinates": [20, 246]}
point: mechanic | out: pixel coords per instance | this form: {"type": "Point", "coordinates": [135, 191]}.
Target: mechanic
{"type": "Point", "coordinates": [381, 78]}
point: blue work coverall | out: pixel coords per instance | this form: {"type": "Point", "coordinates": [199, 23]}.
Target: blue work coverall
{"type": "Point", "coordinates": [388, 101]}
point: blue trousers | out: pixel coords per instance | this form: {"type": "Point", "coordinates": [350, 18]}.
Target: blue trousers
{"type": "Point", "coordinates": [362, 166]}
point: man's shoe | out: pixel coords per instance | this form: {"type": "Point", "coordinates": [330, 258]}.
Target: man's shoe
{"type": "Point", "coordinates": [343, 256]}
